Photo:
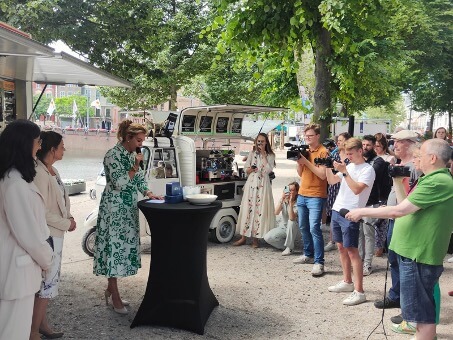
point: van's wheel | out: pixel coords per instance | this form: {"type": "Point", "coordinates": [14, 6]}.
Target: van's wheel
{"type": "Point", "coordinates": [224, 231]}
{"type": "Point", "coordinates": [88, 241]}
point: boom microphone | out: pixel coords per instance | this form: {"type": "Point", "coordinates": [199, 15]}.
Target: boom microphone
{"type": "Point", "coordinates": [343, 212]}
{"type": "Point", "coordinates": [139, 150]}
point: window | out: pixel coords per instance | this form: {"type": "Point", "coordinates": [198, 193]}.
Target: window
{"type": "Point", "coordinates": [38, 86]}
{"type": "Point", "coordinates": [107, 113]}
{"type": "Point", "coordinates": [62, 94]}
{"type": "Point", "coordinates": [69, 93]}
{"type": "Point", "coordinates": [164, 163]}
{"type": "Point", "coordinates": [98, 112]}
{"type": "Point", "coordinates": [48, 95]}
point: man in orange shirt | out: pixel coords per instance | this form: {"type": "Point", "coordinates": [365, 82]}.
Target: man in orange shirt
{"type": "Point", "coordinates": [310, 201]}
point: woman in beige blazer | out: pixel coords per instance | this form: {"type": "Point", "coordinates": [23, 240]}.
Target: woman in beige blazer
{"type": "Point", "coordinates": [59, 220]}
{"type": "Point", "coordinates": [24, 252]}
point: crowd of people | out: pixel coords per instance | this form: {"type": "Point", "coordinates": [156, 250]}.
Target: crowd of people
{"type": "Point", "coordinates": [376, 198]}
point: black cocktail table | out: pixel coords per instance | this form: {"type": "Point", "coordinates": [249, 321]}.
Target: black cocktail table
{"type": "Point", "coordinates": [178, 293]}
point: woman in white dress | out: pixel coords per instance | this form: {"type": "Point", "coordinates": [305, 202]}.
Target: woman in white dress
{"type": "Point", "coordinates": [256, 216]}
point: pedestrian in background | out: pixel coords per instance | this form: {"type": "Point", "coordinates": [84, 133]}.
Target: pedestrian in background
{"type": "Point", "coordinates": [256, 216]}
{"type": "Point", "coordinates": [59, 220]}
{"type": "Point", "coordinates": [24, 252]}
{"type": "Point", "coordinates": [116, 250]}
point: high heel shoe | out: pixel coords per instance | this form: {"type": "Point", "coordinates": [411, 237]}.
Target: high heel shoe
{"type": "Point", "coordinates": [121, 310]}
{"type": "Point", "coordinates": [108, 297]}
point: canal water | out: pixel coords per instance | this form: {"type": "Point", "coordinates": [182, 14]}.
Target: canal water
{"type": "Point", "coordinates": [78, 164]}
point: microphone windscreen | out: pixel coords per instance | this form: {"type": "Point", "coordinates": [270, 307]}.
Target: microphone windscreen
{"type": "Point", "coordinates": [343, 212]}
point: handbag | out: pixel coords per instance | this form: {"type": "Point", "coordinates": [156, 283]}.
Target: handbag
{"type": "Point", "coordinates": [271, 175]}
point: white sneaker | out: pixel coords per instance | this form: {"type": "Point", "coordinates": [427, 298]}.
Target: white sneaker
{"type": "Point", "coordinates": [341, 287]}
{"type": "Point", "coordinates": [354, 299]}
{"type": "Point", "coordinates": [450, 260]}
{"type": "Point", "coordinates": [304, 259]}
{"type": "Point", "coordinates": [318, 269]}
{"type": "Point", "coordinates": [330, 246]}
{"type": "Point", "coordinates": [287, 251]}
{"type": "Point", "coordinates": [367, 270]}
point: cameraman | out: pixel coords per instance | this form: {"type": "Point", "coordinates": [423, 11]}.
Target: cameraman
{"type": "Point", "coordinates": [367, 235]}
{"type": "Point", "coordinates": [312, 194]}
{"type": "Point", "coordinates": [404, 145]}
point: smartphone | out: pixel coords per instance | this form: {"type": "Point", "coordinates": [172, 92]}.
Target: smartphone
{"type": "Point", "coordinates": [286, 190]}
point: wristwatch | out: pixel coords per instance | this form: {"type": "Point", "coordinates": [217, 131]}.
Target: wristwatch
{"type": "Point", "coordinates": [345, 174]}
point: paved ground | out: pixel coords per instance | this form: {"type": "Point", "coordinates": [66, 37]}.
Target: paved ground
{"type": "Point", "coordinates": [262, 294]}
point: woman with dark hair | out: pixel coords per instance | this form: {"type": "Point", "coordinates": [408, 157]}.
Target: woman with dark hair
{"type": "Point", "coordinates": [381, 148]}
{"type": "Point", "coordinates": [256, 216]}
{"type": "Point", "coordinates": [24, 252]}
{"type": "Point", "coordinates": [441, 133]}
{"type": "Point", "coordinates": [59, 220]}
{"type": "Point", "coordinates": [116, 249]}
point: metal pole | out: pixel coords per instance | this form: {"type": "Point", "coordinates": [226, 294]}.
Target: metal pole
{"type": "Point", "coordinates": [88, 108]}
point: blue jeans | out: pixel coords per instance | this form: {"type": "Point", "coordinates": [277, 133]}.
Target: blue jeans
{"type": "Point", "coordinates": [417, 290]}
{"type": "Point", "coordinates": [394, 292]}
{"type": "Point", "coordinates": [310, 211]}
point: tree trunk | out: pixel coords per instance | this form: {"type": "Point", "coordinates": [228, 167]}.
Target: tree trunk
{"type": "Point", "coordinates": [173, 99]}
{"type": "Point", "coordinates": [431, 122]}
{"type": "Point", "coordinates": [322, 104]}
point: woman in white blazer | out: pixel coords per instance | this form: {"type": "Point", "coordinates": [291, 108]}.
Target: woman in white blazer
{"type": "Point", "coordinates": [59, 220]}
{"type": "Point", "coordinates": [24, 252]}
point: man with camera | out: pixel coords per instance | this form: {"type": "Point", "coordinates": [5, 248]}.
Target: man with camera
{"type": "Point", "coordinates": [404, 144]}
{"type": "Point", "coordinates": [421, 235]}
{"type": "Point", "coordinates": [379, 193]}
{"type": "Point", "coordinates": [310, 201]}
{"type": "Point", "coordinates": [356, 179]}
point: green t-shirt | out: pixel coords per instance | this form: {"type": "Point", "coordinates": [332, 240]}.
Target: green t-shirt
{"type": "Point", "coordinates": [424, 236]}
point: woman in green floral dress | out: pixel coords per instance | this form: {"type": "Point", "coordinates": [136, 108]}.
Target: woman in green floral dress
{"type": "Point", "coordinates": [116, 251]}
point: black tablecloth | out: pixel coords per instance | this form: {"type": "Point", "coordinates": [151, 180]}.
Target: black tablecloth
{"type": "Point", "coordinates": [178, 293]}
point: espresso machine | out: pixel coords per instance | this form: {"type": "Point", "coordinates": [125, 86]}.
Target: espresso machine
{"type": "Point", "coordinates": [215, 165]}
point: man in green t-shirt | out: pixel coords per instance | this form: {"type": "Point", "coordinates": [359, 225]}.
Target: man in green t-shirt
{"type": "Point", "coordinates": [421, 235]}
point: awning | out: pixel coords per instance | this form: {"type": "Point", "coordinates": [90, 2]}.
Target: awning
{"type": "Point", "coordinates": [63, 68]}
{"type": "Point", "coordinates": [231, 108]}
{"type": "Point", "coordinates": [23, 58]}
{"type": "Point", "coordinates": [16, 43]}
{"type": "Point", "coordinates": [251, 129]}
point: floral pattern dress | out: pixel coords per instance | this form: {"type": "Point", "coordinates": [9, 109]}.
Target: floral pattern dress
{"type": "Point", "coordinates": [117, 244]}
{"type": "Point", "coordinates": [256, 216]}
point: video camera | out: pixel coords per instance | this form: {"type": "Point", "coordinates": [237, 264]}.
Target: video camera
{"type": "Point", "coordinates": [329, 143]}
{"type": "Point", "coordinates": [327, 162]}
{"type": "Point", "coordinates": [295, 151]}
{"type": "Point", "coordinates": [399, 171]}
